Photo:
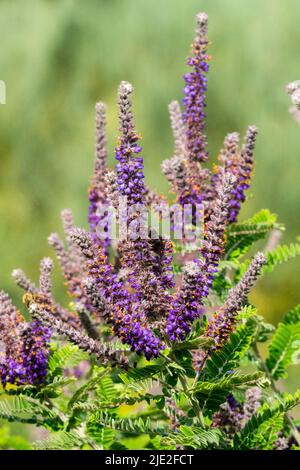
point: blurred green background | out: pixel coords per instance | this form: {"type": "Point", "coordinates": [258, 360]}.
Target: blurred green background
{"type": "Point", "coordinates": [59, 57]}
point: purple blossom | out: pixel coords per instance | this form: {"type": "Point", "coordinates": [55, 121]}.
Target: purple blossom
{"type": "Point", "coordinates": [98, 190]}
{"type": "Point", "coordinates": [35, 353]}
{"type": "Point", "coordinates": [134, 294]}
{"type": "Point", "coordinates": [26, 347]}
{"type": "Point", "coordinates": [241, 167]}
{"type": "Point", "coordinates": [194, 91]}
{"type": "Point", "coordinates": [240, 164]}
{"type": "Point", "coordinates": [130, 176]}
{"type": "Point", "coordinates": [149, 264]}
{"type": "Point", "coordinates": [252, 402]}
{"type": "Point", "coordinates": [199, 274]}
{"type": "Point", "coordinates": [230, 417]}
{"type": "Point", "coordinates": [128, 320]}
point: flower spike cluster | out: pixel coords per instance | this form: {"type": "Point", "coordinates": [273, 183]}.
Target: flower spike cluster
{"type": "Point", "coordinates": [137, 292]}
{"type": "Point", "coordinates": [46, 268]}
{"type": "Point", "coordinates": [159, 282]}
{"type": "Point", "coordinates": [149, 268]}
{"type": "Point", "coordinates": [127, 320]}
{"type": "Point", "coordinates": [44, 313]}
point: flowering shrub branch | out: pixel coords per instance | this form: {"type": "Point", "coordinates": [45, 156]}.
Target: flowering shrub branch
{"type": "Point", "coordinates": [151, 324]}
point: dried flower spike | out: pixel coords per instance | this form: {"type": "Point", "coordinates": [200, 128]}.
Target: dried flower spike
{"type": "Point", "coordinates": [224, 321]}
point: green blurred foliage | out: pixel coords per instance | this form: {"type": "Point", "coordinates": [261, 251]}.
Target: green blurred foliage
{"type": "Point", "coordinates": [9, 441]}
{"type": "Point", "coordinates": [59, 57]}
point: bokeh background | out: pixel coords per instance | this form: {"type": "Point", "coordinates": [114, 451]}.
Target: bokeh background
{"type": "Point", "coordinates": [58, 57]}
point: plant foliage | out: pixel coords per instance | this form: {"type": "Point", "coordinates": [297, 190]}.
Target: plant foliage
{"type": "Point", "coordinates": [135, 354]}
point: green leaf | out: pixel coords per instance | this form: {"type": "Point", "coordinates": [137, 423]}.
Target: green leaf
{"type": "Point", "coordinates": [62, 357]}
{"type": "Point", "coordinates": [53, 389]}
{"type": "Point", "coordinates": [24, 409]}
{"type": "Point", "coordinates": [254, 432]}
{"type": "Point", "coordinates": [82, 392]}
{"type": "Point", "coordinates": [106, 389]}
{"type": "Point", "coordinates": [202, 342]}
{"type": "Point", "coordinates": [280, 255]}
{"type": "Point", "coordinates": [193, 437]}
{"type": "Point", "coordinates": [127, 425]}
{"type": "Point", "coordinates": [265, 330]}
{"type": "Point", "coordinates": [292, 316]}
{"type": "Point", "coordinates": [211, 395]}
{"type": "Point", "coordinates": [232, 352]}
{"type": "Point", "coordinates": [229, 382]}
{"type": "Point", "coordinates": [246, 312]}
{"type": "Point", "coordinates": [103, 436]}
{"type": "Point", "coordinates": [124, 398]}
{"type": "Point", "coordinates": [61, 440]}
{"type": "Point", "coordinates": [242, 236]}
{"type": "Point", "coordinates": [267, 436]}
{"type": "Point", "coordinates": [142, 373]}
{"type": "Point", "coordinates": [284, 349]}
{"type": "Point", "coordinates": [118, 446]}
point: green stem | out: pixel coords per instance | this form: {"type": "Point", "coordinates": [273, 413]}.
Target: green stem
{"type": "Point", "coordinates": [201, 365]}
{"type": "Point", "coordinates": [195, 405]}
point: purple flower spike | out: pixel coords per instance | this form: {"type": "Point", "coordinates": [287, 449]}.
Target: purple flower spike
{"type": "Point", "coordinates": [240, 164]}
{"type": "Point", "coordinates": [194, 91]}
{"type": "Point", "coordinates": [128, 320]}
{"type": "Point", "coordinates": [242, 167]}
{"type": "Point", "coordinates": [98, 190]}
{"type": "Point", "coordinates": [224, 321]}
{"type": "Point", "coordinates": [130, 175]}
{"type": "Point", "coordinates": [199, 274]}
{"type": "Point", "coordinates": [26, 354]}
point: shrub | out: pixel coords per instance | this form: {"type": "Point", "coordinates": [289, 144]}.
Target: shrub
{"type": "Point", "coordinates": [159, 341]}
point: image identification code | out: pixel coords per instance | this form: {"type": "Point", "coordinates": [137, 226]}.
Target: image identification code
{"type": "Point", "coordinates": [151, 459]}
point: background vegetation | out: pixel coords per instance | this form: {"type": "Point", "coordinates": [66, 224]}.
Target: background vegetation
{"type": "Point", "coordinates": [58, 57]}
